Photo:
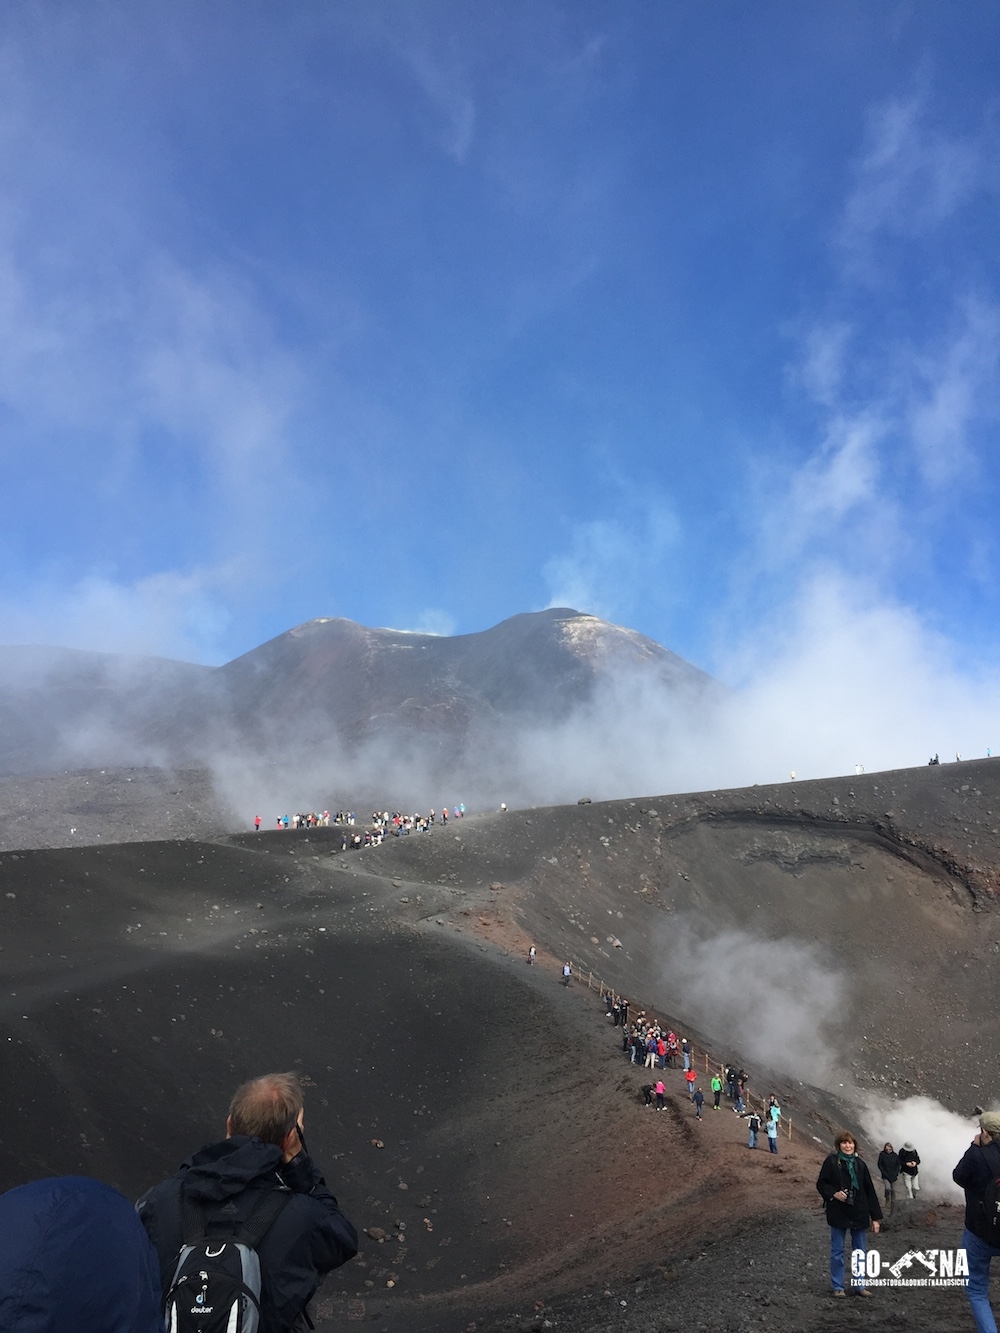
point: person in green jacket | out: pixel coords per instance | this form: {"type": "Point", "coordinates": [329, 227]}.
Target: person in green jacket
{"type": "Point", "coordinates": [716, 1090]}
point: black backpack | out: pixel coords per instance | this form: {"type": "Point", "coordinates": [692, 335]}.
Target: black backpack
{"type": "Point", "coordinates": [216, 1284]}
{"type": "Point", "coordinates": [991, 1198]}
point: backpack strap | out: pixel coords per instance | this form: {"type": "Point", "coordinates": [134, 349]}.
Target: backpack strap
{"type": "Point", "coordinates": [196, 1218]}
{"type": "Point", "coordinates": [266, 1212]}
{"type": "Point", "coordinates": [992, 1161]}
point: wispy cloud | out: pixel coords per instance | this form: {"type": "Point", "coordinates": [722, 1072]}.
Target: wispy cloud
{"type": "Point", "coordinates": [610, 563]}
{"type": "Point", "coordinates": [169, 377]}
{"type": "Point", "coordinates": [899, 401]}
{"type": "Point", "coordinates": [841, 476]}
{"type": "Point", "coordinates": [440, 66]}
{"type": "Point", "coordinates": [823, 362]}
{"type": "Point", "coordinates": [951, 391]}
{"type": "Point", "coordinates": [910, 177]}
{"type": "Point", "coordinates": [168, 614]}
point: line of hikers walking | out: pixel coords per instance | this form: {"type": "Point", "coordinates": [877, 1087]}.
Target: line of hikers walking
{"type": "Point", "coordinates": [655, 1046]}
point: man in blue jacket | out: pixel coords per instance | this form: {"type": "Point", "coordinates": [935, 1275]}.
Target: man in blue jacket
{"type": "Point", "coordinates": [73, 1256]}
{"type": "Point", "coordinates": [974, 1172]}
{"type": "Point", "coordinates": [264, 1150]}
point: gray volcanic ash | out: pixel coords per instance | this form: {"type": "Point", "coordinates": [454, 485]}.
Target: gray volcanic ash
{"type": "Point", "coordinates": [143, 981]}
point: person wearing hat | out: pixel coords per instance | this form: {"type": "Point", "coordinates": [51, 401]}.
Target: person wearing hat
{"type": "Point", "coordinates": [851, 1205]}
{"type": "Point", "coordinates": [909, 1162]}
{"type": "Point", "coordinates": [974, 1172]}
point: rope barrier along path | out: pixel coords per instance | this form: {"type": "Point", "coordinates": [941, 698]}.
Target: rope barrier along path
{"type": "Point", "coordinates": [751, 1100]}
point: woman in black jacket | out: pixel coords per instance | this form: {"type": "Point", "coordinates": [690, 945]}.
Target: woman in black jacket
{"type": "Point", "coordinates": [888, 1169]}
{"type": "Point", "coordinates": [851, 1205]}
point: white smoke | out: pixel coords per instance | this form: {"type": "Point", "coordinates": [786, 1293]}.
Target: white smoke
{"type": "Point", "coordinates": [776, 1000]}
{"type": "Point", "coordinates": [846, 679]}
{"type": "Point", "coordinates": [940, 1137]}
{"type": "Point", "coordinates": [779, 1002]}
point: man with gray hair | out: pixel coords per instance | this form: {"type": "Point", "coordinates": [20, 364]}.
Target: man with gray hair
{"type": "Point", "coordinates": [977, 1174]}
{"type": "Point", "coordinates": [260, 1169]}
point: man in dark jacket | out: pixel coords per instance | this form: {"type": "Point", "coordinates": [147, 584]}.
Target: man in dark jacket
{"type": "Point", "coordinates": [264, 1151]}
{"type": "Point", "coordinates": [977, 1168]}
{"type": "Point", "coordinates": [851, 1205]}
{"type": "Point", "coordinates": [74, 1257]}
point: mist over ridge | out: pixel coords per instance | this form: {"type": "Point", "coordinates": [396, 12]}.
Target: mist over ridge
{"type": "Point", "coordinates": [543, 708]}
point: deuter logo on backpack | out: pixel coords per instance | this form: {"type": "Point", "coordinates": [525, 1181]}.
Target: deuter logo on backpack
{"type": "Point", "coordinates": [216, 1287]}
{"type": "Point", "coordinates": [201, 1306]}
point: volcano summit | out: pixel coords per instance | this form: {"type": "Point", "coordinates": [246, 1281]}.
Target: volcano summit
{"type": "Point", "coordinates": [331, 713]}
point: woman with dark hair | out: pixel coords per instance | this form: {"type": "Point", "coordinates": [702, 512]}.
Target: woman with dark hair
{"type": "Point", "coordinates": [851, 1205]}
{"type": "Point", "coordinates": [888, 1169]}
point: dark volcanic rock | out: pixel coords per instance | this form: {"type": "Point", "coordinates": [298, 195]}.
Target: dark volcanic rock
{"type": "Point", "coordinates": [108, 805]}
{"type": "Point", "coordinates": [142, 981]}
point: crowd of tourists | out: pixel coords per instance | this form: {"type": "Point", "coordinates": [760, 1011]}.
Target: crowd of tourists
{"type": "Point", "coordinates": [845, 1183]}
{"type": "Point", "coordinates": [380, 824]}
{"type": "Point", "coordinates": [654, 1045]}
{"type": "Point", "coordinates": [311, 820]}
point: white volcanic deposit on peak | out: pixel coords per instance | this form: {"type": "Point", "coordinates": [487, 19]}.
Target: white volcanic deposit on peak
{"type": "Point", "coordinates": [592, 637]}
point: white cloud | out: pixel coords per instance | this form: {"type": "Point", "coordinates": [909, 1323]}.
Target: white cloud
{"type": "Point", "coordinates": [953, 390]}
{"type": "Point", "coordinates": [612, 563]}
{"type": "Point", "coordinates": [841, 676]}
{"type": "Point", "coordinates": [843, 473]}
{"type": "Point", "coordinates": [895, 450]}
{"type": "Point", "coordinates": [168, 614]}
{"type": "Point", "coordinates": [850, 676]}
{"type": "Point", "coordinates": [442, 75]}
{"type": "Point", "coordinates": [909, 179]}
{"type": "Point", "coordinates": [823, 361]}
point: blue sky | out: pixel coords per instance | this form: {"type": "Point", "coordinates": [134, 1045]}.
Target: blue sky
{"type": "Point", "coordinates": [684, 313]}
